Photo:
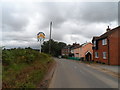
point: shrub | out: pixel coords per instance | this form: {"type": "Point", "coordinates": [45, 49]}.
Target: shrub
{"type": "Point", "coordinates": [65, 56]}
{"type": "Point", "coordinates": [26, 66]}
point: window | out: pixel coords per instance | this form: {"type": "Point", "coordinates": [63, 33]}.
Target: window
{"type": "Point", "coordinates": [104, 42]}
{"type": "Point", "coordinates": [104, 55]}
{"type": "Point", "coordinates": [96, 54]}
{"type": "Point", "coordinates": [94, 43]}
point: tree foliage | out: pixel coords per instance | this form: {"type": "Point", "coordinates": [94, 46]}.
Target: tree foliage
{"type": "Point", "coordinates": [19, 55]}
{"type": "Point", "coordinates": [55, 47]}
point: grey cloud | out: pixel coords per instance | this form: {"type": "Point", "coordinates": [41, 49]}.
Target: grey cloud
{"type": "Point", "coordinates": [100, 12]}
{"type": "Point", "coordinates": [52, 12]}
{"type": "Point", "coordinates": [9, 20]}
{"type": "Point", "coordinates": [87, 11]}
{"type": "Point", "coordinates": [68, 18]}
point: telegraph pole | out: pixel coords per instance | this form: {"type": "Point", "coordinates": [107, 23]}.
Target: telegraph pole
{"type": "Point", "coordinates": [40, 46]}
{"type": "Point", "coordinates": [50, 38]}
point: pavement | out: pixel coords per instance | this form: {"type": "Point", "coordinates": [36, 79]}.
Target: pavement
{"type": "Point", "coordinates": [70, 74]}
{"type": "Point", "coordinates": [108, 67]}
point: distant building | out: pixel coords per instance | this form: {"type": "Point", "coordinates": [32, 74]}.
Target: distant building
{"type": "Point", "coordinates": [77, 51]}
{"type": "Point", "coordinates": [73, 52]}
{"type": "Point", "coordinates": [69, 50]}
{"type": "Point", "coordinates": [106, 48]}
{"type": "Point", "coordinates": [84, 51]}
{"type": "Point", "coordinates": [66, 50]}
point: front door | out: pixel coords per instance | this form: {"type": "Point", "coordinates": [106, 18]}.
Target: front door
{"type": "Point", "coordinates": [88, 57]}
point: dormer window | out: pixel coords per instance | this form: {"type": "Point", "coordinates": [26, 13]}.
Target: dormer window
{"type": "Point", "coordinates": [104, 42]}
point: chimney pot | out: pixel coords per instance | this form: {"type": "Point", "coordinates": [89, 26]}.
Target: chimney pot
{"type": "Point", "coordinates": [108, 29]}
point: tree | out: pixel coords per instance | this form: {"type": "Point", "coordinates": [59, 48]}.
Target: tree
{"type": "Point", "coordinates": [55, 47]}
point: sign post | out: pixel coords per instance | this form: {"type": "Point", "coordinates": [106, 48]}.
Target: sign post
{"type": "Point", "coordinates": [40, 38]}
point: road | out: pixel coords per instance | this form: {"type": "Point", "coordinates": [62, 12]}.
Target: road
{"type": "Point", "coordinates": [70, 74]}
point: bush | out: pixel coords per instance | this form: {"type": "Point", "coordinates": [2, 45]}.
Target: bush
{"type": "Point", "coordinates": [26, 66]}
{"type": "Point", "coordinates": [82, 59]}
{"type": "Point", "coordinates": [65, 56]}
{"type": "Point", "coordinates": [21, 56]}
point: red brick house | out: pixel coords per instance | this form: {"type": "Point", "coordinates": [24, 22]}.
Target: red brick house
{"type": "Point", "coordinates": [106, 48]}
{"type": "Point", "coordinates": [69, 50]}
{"type": "Point", "coordinates": [66, 50]}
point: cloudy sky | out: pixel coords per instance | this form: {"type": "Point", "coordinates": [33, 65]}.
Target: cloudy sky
{"type": "Point", "coordinates": [72, 21]}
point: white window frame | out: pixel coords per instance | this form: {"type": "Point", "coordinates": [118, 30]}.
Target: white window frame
{"type": "Point", "coordinates": [94, 43]}
{"type": "Point", "coordinates": [96, 55]}
{"type": "Point", "coordinates": [104, 55]}
{"type": "Point", "coordinates": [104, 42]}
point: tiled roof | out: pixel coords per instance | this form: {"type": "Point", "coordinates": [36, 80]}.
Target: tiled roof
{"type": "Point", "coordinates": [76, 47]}
{"type": "Point", "coordinates": [106, 34]}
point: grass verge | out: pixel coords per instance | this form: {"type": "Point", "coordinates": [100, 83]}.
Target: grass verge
{"type": "Point", "coordinates": [24, 68]}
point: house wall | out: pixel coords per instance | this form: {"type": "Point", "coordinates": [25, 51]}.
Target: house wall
{"type": "Point", "coordinates": [65, 51]}
{"type": "Point", "coordinates": [76, 52]}
{"type": "Point", "coordinates": [114, 56]}
{"type": "Point", "coordinates": [112, 48]}
{"type": "Point", "coordinates": [87, 48]}
{"type": "Point", "coordinates": [83, 50]}
{"type": "Point", "coordinates": [80, 52]}
{"type": "Point", "coordinates": [100, 50]}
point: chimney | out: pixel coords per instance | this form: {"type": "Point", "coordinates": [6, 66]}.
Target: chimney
{"type": "Point", "coordinates": [108, 29]}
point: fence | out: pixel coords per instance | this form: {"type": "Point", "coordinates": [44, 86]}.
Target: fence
{"type": "Point", "coordinates": [74, 58]}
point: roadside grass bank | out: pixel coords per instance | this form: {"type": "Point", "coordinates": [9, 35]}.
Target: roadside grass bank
{"type": "Point", "coordinates": [24, 68]}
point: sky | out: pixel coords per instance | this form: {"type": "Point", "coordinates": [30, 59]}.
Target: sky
{"type": "Point", "coordinates": [72, 21]}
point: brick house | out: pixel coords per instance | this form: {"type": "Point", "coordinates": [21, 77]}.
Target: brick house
{"type": "Point", "coordinates": [106, 48]}
{"type": "Point", "coordinates": [66, 50]}
{"type": "Point", "coordinates": [77, 51]}
{"type": "Point", "coordinates": [69, 50]}
{"type": "Point", "coordinates": [84, 51]}
{"type": "Point", "coordinates": [75, 45]}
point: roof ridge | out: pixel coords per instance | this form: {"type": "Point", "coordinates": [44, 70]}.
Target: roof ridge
{"type": "Point", "coordinates": [104, 35]}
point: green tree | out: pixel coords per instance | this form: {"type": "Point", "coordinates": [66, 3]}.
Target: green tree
{"type": "Point", "coordinates": [55, 47]}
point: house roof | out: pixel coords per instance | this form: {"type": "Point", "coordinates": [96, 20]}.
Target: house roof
{"type": "Point", "coordinates": [106, 34]}
{"type": "Point", "coordinates": [76, 47]}
{"type": "Point", "coordinates": [86, 44]}
{"type": "Point", "coordinates": [95, 38]}
{"type": "Point", "coordinates": [66, 47]}
{"type": "Point", "coordinates": [82, 45]}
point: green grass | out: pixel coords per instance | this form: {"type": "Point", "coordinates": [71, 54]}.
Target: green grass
{"type": "Point", "coordinates": [24, 68]}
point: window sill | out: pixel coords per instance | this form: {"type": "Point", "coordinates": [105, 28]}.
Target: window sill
{"type": "Point", "coordinates": [104, 45]}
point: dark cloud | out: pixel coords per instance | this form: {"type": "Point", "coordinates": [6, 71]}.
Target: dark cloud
{"type": "Point", "coordinates": [71, 21]}
{"type": "Point", "coordinates": [83, 12]}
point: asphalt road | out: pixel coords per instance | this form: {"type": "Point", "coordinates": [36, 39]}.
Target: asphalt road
{"type": "Point", "coordinates": [70, 74]}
